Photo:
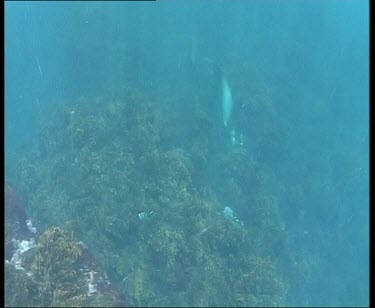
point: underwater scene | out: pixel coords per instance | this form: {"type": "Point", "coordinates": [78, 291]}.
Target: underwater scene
{"type": "Point", "coordinates": [186, 153]}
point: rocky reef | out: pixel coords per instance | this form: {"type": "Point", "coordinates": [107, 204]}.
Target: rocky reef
{"type": "Point", "coordinates": [51, 268]}
{"type": "Point", "coordinates": [108, 171]}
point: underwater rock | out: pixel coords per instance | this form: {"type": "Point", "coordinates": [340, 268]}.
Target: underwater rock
{"type": "Point", "coordinates": [22, 246]}
{"type": "Point", "coordinates": [15, 211]}
{"type": "Point", "coordinates": [23, 231]}
{"type": "Point", "coordinates": [229, 213]}
{"type": "Point", "coordinates": [178, 257]}
{"type": "Point", "coordinates": [97, 279]}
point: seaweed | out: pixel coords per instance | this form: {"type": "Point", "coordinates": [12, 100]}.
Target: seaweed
{"type": "Point", "coordinates": [115, 159]}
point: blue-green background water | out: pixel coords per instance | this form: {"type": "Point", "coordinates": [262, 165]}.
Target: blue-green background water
{"type": "Point", "coordinates": [313, 59]}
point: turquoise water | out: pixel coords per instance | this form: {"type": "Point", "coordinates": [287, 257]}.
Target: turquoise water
{"type": "Point", "coordinates": [208, 153]}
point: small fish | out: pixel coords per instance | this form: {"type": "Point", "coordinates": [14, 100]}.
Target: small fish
{"type": "Point", "coordinates": [201, 232]}
{"type": "Point", "coordinates": [145, 215]}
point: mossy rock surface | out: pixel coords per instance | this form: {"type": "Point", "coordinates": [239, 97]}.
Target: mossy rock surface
{"type": "Point", "coordinates": [105, 160]}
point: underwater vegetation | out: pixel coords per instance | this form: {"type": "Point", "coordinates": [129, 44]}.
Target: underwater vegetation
{"type": "Point", "coordinates": [52, 273]}
{"type": "Point", "coordinates": [107, 170]}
